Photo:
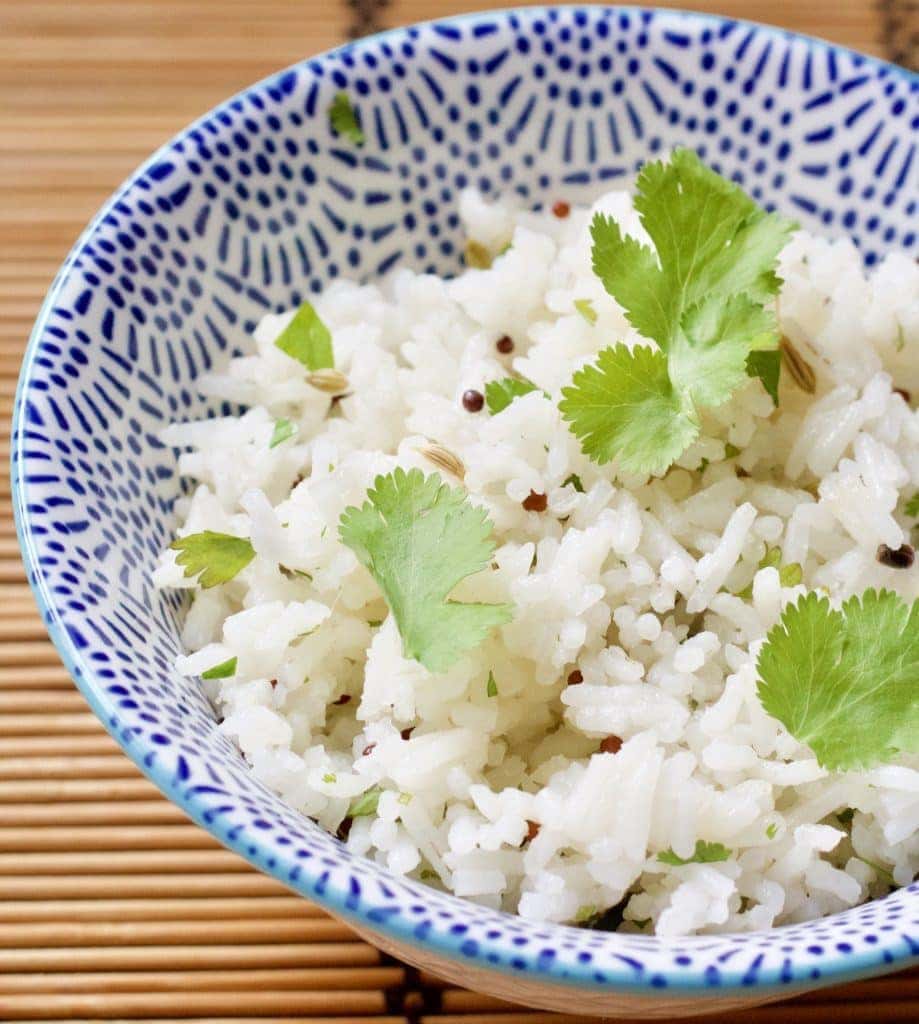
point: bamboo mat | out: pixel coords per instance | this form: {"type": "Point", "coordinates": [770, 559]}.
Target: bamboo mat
{"type": "Point", "coordinates": [112, 904]}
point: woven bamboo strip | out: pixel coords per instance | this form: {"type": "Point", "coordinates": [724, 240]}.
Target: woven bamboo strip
{"type": "Point", "coordinates": [52, 746]}
{"type": "Point", "coordinates": [273, 1019]}
{"type": "Point", "coordinates": [20, 627]}
{"type": "Point", "coordinates": [41, 935]}
{"type": "Point", "coordinates": [46, 725]}
{"type": "Point", "coordinates": [139, 862]}
{"type": "Point", "coordinates": [107, 1005]}
{"type": "Point", "coordinates": [113, 766]}
{"type": "Point", "coordinates": [141, 910]}
{"type": "Point", "coordinates": [328, 979]}
{"type": "Point", "coordinates": [34, 677]}
{"type": "Point", "coordinates": [902, 1012]}
{"type": "Point", "coordinates": [146, 812]}
{"type": "Point", "coordinates": [47, 791]}
{"type": "Point", "coordinates": [188, 957]}
{"type": "Point", "coordinates": [114, 886]}
{"type": "Point", "coordinates": [40, 701]}
{"type": "Point", "coordinates": [27, 652]}
{"type": "Point", "coordinates": [115, 837]}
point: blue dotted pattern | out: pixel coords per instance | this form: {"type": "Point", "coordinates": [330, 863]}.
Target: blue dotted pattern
{"type": "Point", "coordinates": [259, 204]}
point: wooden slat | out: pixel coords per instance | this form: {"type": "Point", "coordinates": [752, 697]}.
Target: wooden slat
{"type": "Point", "coordinates": [142, 910]}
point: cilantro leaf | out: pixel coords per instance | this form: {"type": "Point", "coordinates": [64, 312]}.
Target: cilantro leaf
{"type": "Point", "coordinates": [625, 406]}
{"type": "Point", "coordinates": [343, 119]}
{"type": "Point", "coordinates": [224, 670]}
{"type": "Point", "coordinates": [912, 506]}
{"type": "Point", "coordinates": [699, 295]}
{"type": "Point", "coordinates": [586, 308]}
{"type": "Point", "coordinates": [704, 853]}
{"type": "Point", "coordinates": [283, 430]}
{"type": "Point", "coordinates": [491, 687]}
{"type": "Point", "coordinates": [768, 367]}
{"type": "Point", "coordinates": [500, 393]}
{"type": "Point", "coordinates": [307, 339]}
{"type": "Point", "coordinates": [575, 482]}
{"type": "Point", "coordinates": [419, 538]}
{"type": "Point", "coordinates": [366, 804]}
{"type": "Point", "coordinates": [218, 557]}
{"type": "Point", "coordinates": [845, 682]}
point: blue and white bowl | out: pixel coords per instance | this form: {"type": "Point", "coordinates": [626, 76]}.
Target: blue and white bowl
{"type": "Point", "coordinates": [259, 204]}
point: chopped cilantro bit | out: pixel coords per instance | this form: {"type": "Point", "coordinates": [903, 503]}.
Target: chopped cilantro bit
{"type": "Point", "coordinates": [365, 804]}
{"type": "Point", "coordinates": [373, 623]}
{"type": "Point", "coordinates": [217, 557]}
{"type": "Point", "coordinates": [500, 393]}
{"type": "Point", "coordinates": [731, 451]}
{"type": "Point", "coordinates": [912, 506]}
{"type": "Point", "coordinates": [283, 430]}
{"type": "Point", "coordinates": [768, 367]}
{"type": "Point", "coordinates": [295, 573]}
{"type": "Point", "coordinates": [491, 687]}
{"type": "Point", "coordinates": [843, 682]}
{"type": "Point", "coordinates": [476, 255]}
{"type": "Point", "coordinates": [586, 308]}
{"type": "Point", "coordinates": [427, 874]}
{"type": "Point", "coordinates": [772, 559]}
{"type": "Point", "coordinates": [575, 482]}
{"type": "Point", "coordinates": [405, 798]}
{"type": "Point", "coordinates": [222, 671]}
{"type": "Point", "coordinates": [418, 538]}
{"type": "Point", "coordinates": [705, 853]}
{"type": "Point", "coordinates": [329, 777]}
{"type": "Point", "coordinates": [701, 296]}
{"type": "Point", "coordinates": [585, 913]}
{"type": "Point", "coordinates": [791, 575]}
{"type": "Point", "coordinates": [772, 830]}
{"type": "Point", "coordinates": [307, 339]}
{"type": "Point", "coordinates": [343, 119]}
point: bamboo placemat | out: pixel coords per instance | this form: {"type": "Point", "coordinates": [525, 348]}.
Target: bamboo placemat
{"type": "Point", "coordinates": [112, 904]}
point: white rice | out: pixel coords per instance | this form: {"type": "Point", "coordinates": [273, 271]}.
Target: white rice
{"type": "Point", "coordinates": [632, 583]}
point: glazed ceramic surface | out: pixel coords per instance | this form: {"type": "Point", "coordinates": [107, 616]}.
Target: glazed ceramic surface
{"type": "Point", "coordinates": [259, 205]}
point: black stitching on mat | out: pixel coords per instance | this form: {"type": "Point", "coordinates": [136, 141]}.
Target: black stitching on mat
{"type": "Point", "coordinates": [900, 31]}
{"type": "Point", "coordinates": [366, 17]}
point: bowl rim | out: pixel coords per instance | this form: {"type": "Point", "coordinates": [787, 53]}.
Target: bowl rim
{"type": "Point", "coordinates": [682, 981]}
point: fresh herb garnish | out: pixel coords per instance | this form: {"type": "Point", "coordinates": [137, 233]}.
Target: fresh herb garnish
{"type": "Point", "coordinates": [772, 830]}
{"type": "Point", "coordinates": [731, 451]}
{"type": "Point", "coordinates": [701, 297]}
{"type": "Point", "coordinates": [222, 671]}
{"type": "Point", "coordinates": [218, 557]}
{"type": "Point", "coordinates": [586, 308]}
{"type": "Point", "coordinates": [912, 506]}
{"type": "Point", "coordinates": [500, 393]}
{"type": "Point", "coordinates": [366, 804]}
{"type": "Point", "coordinates": [418, 538]}
{"type": "Point", "coordinates": [283, 430]}
{"type": "Point", "coordinates": [791, 575]}
{"type": "Point", "coordinates": [307, 339]}
{"type": "Point", "coordinates": [329, 778]}
{"type": "Point", "coordinates": [575, 482]}
{"type": "Point", "coordinates": [405, 799]}
{"type": "Point", "coordinates": [343, 119]}
{"type": "Point", "coordinates": [704, 853]}
{"type": "Point", "coordinates": [491, 687]}
{"type": "Point", "coordinates": [844, 682]}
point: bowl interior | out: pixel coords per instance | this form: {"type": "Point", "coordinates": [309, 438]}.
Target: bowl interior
{"type": "Point", "coordinates": [259, 204]}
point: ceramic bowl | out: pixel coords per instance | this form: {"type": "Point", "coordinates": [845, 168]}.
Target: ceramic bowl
{"type": "Point", "coordinates": [256, 206]}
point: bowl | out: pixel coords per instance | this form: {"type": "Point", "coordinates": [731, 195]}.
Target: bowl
{"type": "Point", "coordinates": [259, 204]}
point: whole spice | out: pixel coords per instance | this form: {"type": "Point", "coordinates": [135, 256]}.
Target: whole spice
{"type": "Point", "coordinates": [444, 459]}
{"type": "Point", "coordinates": [505, 345]}
{"type": "Point", "coordinates": [330, 381]}
{"type": "Point", "coordinates": [798, 368]}
{"type": "Point", "coordinates": [407, 733]}
{"type": "Point", "coordinates": [473, 400]}
{"type": "Point", "coordinates": [561, 209]}
{"type": "Point", "coordinates": [532, 831]}
{"type": "Point", "coordinates": [896, 558]}
{"type": "Point", "coordinates": [345, 698]}
{"type": "Point", "coordinates": [534, 502]}
{"type": "Point", "coordinates": [575, 677]}
{"type": "Point", "coordinates": [368, 749]}
{"type": "Point", "coordinates": [610, 745]}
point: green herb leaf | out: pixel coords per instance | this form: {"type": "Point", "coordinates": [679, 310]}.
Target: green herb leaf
{"type": "Point", "coordinates": [791, 575]}
{"type": "Point", "coordinates": [586, 308]}
{"type": "Point", "coordinates": [705, 853]}
{"type": "Point", "coordinates": [222, 671]}
{"type": "Point", "coordinates": [500, 393]}
{"type": "Point", "coordinates": [405, 799]}
{"type": "Point", "coordinates": [700, 296]}
{"type": "Point", "coordinates": [283, 430]}
{"type": "Point", "coordinates": [772, 830]}
{"type": "Point", "coordinates": [575, 482]}
{"type": "Point", "coordinates": [329, 777]}
{"type": "Point", "coordinates": [731, 451]}
{"type": "Point", "coordinates": [307, 339]}
{"type": "Point", "coordinates": [343, 119]}
{"type": "Point", "coordinates": [491, 687]}
{"type": "Point", "coordinates": [844, 682]}
{"type": "Point", "coordinates": [418, 538]}
{"type": "Point", "coordinates": [217, 557]}
{"type": "Point", "coordinates": [585, 913]}
{"type": "Point", "coordinates": [768, 367]}
{"type": "Point", "coordinates": [366, 804]}
{"type": "Point", "coordinates": [912, 506]}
